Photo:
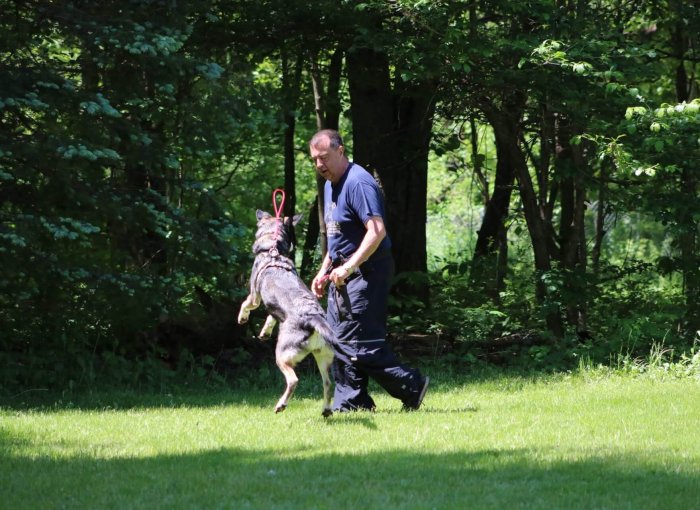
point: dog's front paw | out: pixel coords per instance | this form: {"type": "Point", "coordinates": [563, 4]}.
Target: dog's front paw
{"type": "Point", "coordinates": [280, 407]}
{"type": "Point", "coordinates": [266, 331]}
{"type": "Point", "coordinates": [243, 316]}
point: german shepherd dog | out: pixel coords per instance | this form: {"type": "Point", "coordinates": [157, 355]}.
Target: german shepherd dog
{"type": "Point", "coordinates": [303, 327]}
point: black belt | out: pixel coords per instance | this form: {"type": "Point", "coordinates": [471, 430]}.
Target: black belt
{"type": "Point", "coordinates": [377, 255]}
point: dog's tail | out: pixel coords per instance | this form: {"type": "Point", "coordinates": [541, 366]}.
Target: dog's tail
{"type": "Point", "coordinates": [320, 324]}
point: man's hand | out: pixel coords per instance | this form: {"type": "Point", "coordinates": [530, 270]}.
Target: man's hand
{"type": "Point", "coordinates": [318, 285]}
{"type": "Point", "coordinates": [338, 275]}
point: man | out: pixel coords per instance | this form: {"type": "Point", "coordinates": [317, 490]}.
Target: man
{"type": "Point", "coordinates": [359, 266]}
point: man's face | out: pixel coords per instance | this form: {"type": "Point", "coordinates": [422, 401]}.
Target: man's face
{"type": "Point", "coordinates": [330, 163]}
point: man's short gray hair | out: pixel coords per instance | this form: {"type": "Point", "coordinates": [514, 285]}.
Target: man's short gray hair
{"type": "Point", "coordinates": [333, 136]}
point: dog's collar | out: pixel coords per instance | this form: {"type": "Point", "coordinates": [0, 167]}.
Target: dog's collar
{"type": "Point", "coordinates": [273, 257]}
{"type": "Point", "coordinates": [273, 252]}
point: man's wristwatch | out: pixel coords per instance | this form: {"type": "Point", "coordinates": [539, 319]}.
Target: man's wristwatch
{"type": "Point", "coordinates": [348, 269]}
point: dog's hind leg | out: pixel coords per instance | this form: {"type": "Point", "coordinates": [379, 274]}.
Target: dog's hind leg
{"type": "Point", "coordinates": [324, 359]}
{"type": "Point", "coordinates": [287, 355]}
{"type": "Point", "coordinates": [291, 377]}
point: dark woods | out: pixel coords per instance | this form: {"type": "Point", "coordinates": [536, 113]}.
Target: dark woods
{"type": "Point", "coordinates": [135, 137]}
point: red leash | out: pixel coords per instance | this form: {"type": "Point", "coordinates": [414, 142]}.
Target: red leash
{"type": "Point", "coordinates": [278, 209]}
{"type": "Point", "coordinates": [278, 216]}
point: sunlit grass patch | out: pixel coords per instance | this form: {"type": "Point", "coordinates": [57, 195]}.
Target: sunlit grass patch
{"type": "Point", "coordinates": [503, 442]}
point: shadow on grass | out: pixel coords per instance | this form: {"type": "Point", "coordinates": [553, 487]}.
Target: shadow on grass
{"type": "Point", "coordinates": [314, 479]}
{"type": "Point", "coordinates": [263, 399]}
{"type": "Point", "coordinates": [263, 393]}
{"type": "Point", "coordinates": [134, 399]}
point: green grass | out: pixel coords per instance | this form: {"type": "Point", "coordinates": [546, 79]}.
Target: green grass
{"type": "Point", "coordinates": [568, 442]}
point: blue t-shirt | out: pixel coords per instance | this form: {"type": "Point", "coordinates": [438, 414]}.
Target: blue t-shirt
{"type": "Point", "coordinates": [348, 205]}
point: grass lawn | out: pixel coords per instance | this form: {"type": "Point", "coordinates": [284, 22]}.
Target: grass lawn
{"type": "Point", "coordinates": [563, 442]}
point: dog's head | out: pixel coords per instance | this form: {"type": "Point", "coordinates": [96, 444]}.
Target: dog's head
{"type": "Point", "coordinates": [274, 233]}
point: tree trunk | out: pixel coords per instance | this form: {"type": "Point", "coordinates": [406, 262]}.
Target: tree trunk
{"type": "Point", "coordinates": [291, 81]}
{"type": "Point", "coordinates": [327, 107]}
{"type": "Point", "coordinates": [391, 135]}
{"type": "Point", "coordinates": [333, 106]}
{"type": "Point", "coordinates": [689, 190]}
{"type": "Point", "coordinates": [319, 222]}
{"type": "Point", "coordinates": [571, 168]}
{"type": "Point", "coordinates": [600, 219]}
{"type": "Point", "coordinates": [507, 129]}
{"type": "Point", "coordinates": [487, 269]}
{"type": "Point", "coordinates": [689, 249]}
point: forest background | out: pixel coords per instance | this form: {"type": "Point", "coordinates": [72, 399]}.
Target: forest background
{"type": "Point", "coordinates": [539, 162]}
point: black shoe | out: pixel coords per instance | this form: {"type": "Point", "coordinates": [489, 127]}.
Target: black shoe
{"type": "Point", "coordinates": [367, 409]}
{"type": "Point", "coordinates": [416, 405]}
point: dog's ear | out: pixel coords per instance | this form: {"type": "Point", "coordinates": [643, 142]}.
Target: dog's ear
{"type": "Point", "coordinates": [292, 222]}
{"type": "Point", "coordinates": [262, 214]}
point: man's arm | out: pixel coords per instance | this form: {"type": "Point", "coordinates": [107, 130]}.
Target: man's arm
{"type": "Point", "coordinates": [374, 235]}
{"type": "Point", "coordinates": [319, 282]}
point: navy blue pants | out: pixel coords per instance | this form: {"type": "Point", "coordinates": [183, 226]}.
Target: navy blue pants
{"type": "Point", "coordinates": [357, 312]}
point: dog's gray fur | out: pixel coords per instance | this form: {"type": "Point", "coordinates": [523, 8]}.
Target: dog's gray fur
{"type": "Point", "coordinates": [303, 327]}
